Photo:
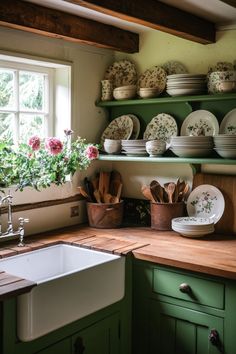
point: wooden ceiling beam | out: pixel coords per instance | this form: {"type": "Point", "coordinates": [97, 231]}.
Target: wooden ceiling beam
{"type": "Point", "coordinates": [156, 15]}
{"type": "Point", "coordinates": [229, 2]}
{"type": "Point", "coordinates": [33, 18]}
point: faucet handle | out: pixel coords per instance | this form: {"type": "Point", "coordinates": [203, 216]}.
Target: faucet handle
{"type": "Point", "coordinates": [23, 221]}
{"type": "Point", "coordinates": [22, 231]}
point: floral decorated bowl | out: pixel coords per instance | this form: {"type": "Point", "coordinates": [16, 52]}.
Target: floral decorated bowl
{"type": "Point", "coordinates": [216, 78]}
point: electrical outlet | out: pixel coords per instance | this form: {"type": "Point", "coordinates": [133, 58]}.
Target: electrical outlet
{"type": "Point", "coordinates": [74, 211]}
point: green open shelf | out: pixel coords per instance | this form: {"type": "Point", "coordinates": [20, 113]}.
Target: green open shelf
{"type": "Point", "coordinates": [198, 160]}
{"type": "Point", "coordinates": [168, 99]}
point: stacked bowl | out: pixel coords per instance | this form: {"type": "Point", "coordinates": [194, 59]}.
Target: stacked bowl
{"type": "Point", "coordinates": [192, 146]}
{"type": "Point", "coordinates": [134, 147]}
{"type": "Point", "coordinates": [124, 92]}
{"type": "Point", "coordinates": [186, 84]}
{"type": "Point", "coordinates": [155, 147]}
{"type": "Point", "coordinates": [192, 226]}
{"type": "Point", "coordinates": [225, 145]}
{"type": "Point", "coordinates": [221, 81]}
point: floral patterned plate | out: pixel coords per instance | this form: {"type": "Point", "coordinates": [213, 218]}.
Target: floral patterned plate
{"type": "Point", "coordinates": [122, 73]}
{"type": "Point", "coordinates": [206, 201]}
{"type": "Point", "coordinates": [136, 128]}
{"type": "Point", "coordinates": [154, 77]}
{"type": "Point", "coordinates": [120, 128]}
{"type": "Point", "coordinates": [174, 67]}
{"type": "Point", "coordinates": [162, 127]}
{"type": "Point", "coordinates": [200, 122]}
{"type": "Point", "coordinates": [228, 124]}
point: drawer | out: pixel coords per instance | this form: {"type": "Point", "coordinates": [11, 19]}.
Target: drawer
{"type": "Point", "coordinates": [188, 288]}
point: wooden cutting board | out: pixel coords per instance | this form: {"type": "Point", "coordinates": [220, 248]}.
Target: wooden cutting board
{"type": "Point", "coordinates": [227, 185]}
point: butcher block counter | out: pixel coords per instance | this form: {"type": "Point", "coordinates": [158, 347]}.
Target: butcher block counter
{"type": "Point", "coordinates": [213, 255]}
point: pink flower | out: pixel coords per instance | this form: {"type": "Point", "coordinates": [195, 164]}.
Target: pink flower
{"type": "Point", "coordinates": [91, 152]}
{"type": "Point", "coordinates": [54, 146]}
{"type": "Point", "coordinates": [34, 143]}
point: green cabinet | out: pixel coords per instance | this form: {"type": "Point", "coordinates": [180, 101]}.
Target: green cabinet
{"type": "Point", "coordinates": [102, 337]}
{"type": "Point", "coordinates": [175, 329]}
{"type": "Point", "coordinates": [62, 347]}
{"type": "Point", "coordinates": [180, 312]}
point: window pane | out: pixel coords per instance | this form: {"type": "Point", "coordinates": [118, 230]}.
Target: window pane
{"type": "Point", "coordinates": [31, 93]}
{"type": "Point", "coordinates": [6, 88]}
{"type": "Point", "coordinates": [6, 126]}
{"type": "Point", "coordinates": [31, 124]}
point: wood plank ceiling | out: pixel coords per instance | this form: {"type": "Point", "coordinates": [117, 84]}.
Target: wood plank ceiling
{"type": "Point", "coordinates": [35, 18]}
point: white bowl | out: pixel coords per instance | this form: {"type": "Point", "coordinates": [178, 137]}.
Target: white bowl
{"type": "Point", "coordinates": [112, 146]}
{"type": "Point", "coordinates": [148, 92]}
{"type": "Point", "coordinates": [124, 92]}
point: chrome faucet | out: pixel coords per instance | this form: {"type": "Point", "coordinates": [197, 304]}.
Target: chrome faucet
{"type": "Point", "coordinates": [10, 230]}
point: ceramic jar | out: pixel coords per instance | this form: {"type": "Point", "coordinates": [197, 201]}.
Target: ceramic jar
{"type": "Point", "coordinates": [107, 90]}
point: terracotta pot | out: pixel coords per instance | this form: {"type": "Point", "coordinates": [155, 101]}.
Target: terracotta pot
{"type": "Point", "coordinates": [163, 213]}
{"type": "Point", "coordinates": [105, 215]}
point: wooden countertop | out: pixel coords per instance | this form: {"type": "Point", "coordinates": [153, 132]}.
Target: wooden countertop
{"type": "Point", "coordinates": [214, 255]}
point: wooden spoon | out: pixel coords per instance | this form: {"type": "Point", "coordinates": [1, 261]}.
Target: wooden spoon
{"type": "Point", "coordinates": [157, 191]}
{"type": "Point", "coordinates": [170, 191]}
{"type": "Point", "coordinates": [147, 193]}
{"type": "Point", "coordinates": [84, 193]}
{"type": "Point", "coordinates": [97, 196]}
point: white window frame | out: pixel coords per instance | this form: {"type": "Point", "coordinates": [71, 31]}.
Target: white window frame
{"type": "Point", "coordinates": [49, 96]}
{"type": "Point", "coordinates": [61, 119]}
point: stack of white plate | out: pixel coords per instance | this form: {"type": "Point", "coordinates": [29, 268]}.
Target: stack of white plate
{"type": "Point", "coordinates": [134, 147]}
{"type": "Point", "coordinates": [185, 84]}
{"type": "Point", "coordinates": [225, 145]}
{"type": "Point", "coordinates": [193, 226]}
{"type": "Point", "coordinates": [192, 146]}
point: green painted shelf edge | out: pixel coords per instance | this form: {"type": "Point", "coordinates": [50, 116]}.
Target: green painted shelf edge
{"type": "Point", "coordinates": [141, 101]}
{"type": "Point", "coordinates": [200, 161]}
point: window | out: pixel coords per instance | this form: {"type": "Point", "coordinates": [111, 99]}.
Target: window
{"type": "Point", "coordinates": [35, 97]}
{"type": "Point", "coordinates": [26, 101]}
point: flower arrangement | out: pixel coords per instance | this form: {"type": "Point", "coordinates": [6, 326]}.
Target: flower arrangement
{"type": "Point", "coordinates": [41, 163]}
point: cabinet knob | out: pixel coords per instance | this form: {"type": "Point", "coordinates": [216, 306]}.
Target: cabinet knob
{"type": "Point", "coordinates": [185, 288]}
{"type": "Point", "coordinates": [214, 338]}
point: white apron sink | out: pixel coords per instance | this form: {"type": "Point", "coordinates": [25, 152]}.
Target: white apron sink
{"type": "Point", "coordinates": [72, 283]}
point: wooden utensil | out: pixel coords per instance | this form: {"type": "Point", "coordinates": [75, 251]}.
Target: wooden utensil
{"type": "Point", "coordinates": [84, 193]}
{"type": "Point", "coordinates": [97, 196]}
{"type": "Point", "coordinates": [147, 193]}
{"type": "Point", "coordinates": [115, 181]}
{"type": "Point", "coordinates": [157, 191]}
{"type": "Point", "coordinates": [170, 191]}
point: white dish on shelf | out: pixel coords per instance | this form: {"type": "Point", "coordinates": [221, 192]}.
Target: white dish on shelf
{"type": "Point", "coordinates": [136, 126]}
{"type": "Point", "coordinates": [122, 73]}
{"type": "Point", "coordinates": [206, 201]}
{"type": "Point", "coordinates": [155, 77]}
{"type": "Point", "coordinates": [200, 120]}
{"type": "Point", "coordinates": [119, 128]}
{"type": "Point", "coordinates": [228, 124]}
{"type": "Point", "coordinates": [162, 127]}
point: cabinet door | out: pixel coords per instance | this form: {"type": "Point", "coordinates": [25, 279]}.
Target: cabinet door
{"type": "Point", "coordinates": [177, 330]}
{"type": "Point", "coordinates": [62, 347]}
{"type": "Point", "coordinates": [100, 338]}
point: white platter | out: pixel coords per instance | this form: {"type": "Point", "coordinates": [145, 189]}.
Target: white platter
{"type": "Point", "coordinates": [206, 201]}
{"type": "Point", "coordinates": [200, 120]}
{"type": "Point", "coordinates": [136, 126]}
{"type": "Point", "coordinates": [154, 77]}
{"type": "Point", "coordinates": [121, 73]}
{"type": "Point", "coordinates": [162, 127]}
{"type": "Point", "coordinates": [228, 124]}
{"type": "Point", "coordinates": [120, 128]}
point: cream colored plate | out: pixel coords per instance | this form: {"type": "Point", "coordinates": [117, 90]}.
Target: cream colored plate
{"type": "Point", "coordinates": [162, 127]}
{"type": "Point", "coordinates": [120, 128]}
{"type": "Point", "coordinates": [154, 77]}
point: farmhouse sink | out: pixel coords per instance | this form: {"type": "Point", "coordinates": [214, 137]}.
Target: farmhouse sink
{"type": "Point", "coordinates": [72, 282]}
